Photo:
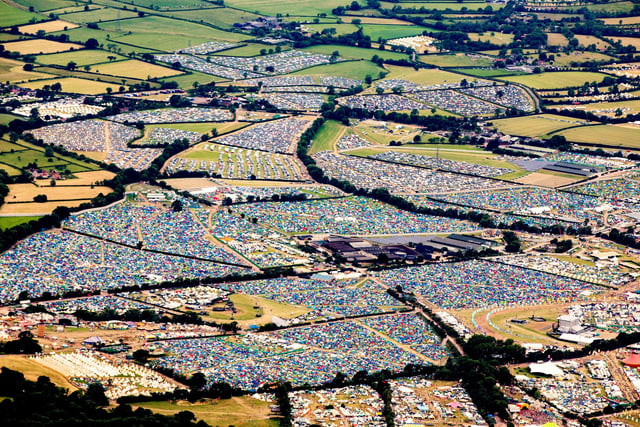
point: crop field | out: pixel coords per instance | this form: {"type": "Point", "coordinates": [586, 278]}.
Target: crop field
{"type": "Point", "coordinates": [589, 40]}
{"type": "Point", "coordinates": [494, 38]}
{"type": "Point", "coordinates": [387, 32]}
{"type": "Point", "coordinates": [135, 69]}
{"type": "Point", "coordinates": [457, 60]}
{"type": "Point", "coordinates": [80, 57]}
{"type": "Point", "coordinates": [620, 136]}
{"type": "Point", "coordinates": [220, 17]}
{"type": "Point", "coordinates": [75, 85]}
{"type": "Point", "coordinates": [351, 70]}
{"type": "Point", "coordinates": [166, 28]}
{"type": "Point", "coordinates": [12, 71]}
{"type": "Point", "coordinates": [443, 5]}
{"type": "Point", "coordinates": [566, 60]}
{"type": "Point", "coordinates": [326, 138]}
{"type": "Point", "coordinates": [535, 126]}
{"type": "Point", "coordinates": [353, 52]}
{"type": "Point", "coordinates": [557, 39]}
{"type": "Point", "coordinates": [31, 208]}
{"type": "Point", "coordinates": [26, 192]}
{"type": "Point", "coordinates": [423, 77]}
{"type": "Point", "coordinates": [11, 16]}
{"type": "Point", "coordinates": [341, 29]}
{"type": "Point", "coordinates": [633, 41]}
{"type": "Point", "coordinates": [630, 20]}
{"type": "Point", "coordinates": [99, 15]}
{"type": "Point", "coordinates": [556, 80]}
{"type": "Point", "coordinates": [291, 7]}
{"type": "Point", "coordinates": [26, 47]}
{"type": "Point", "coordinates": [47, 27]}
{"type": "Point", "coordinates": [486, 72]}
{"type": "Point", "coordinates": [607, 108]}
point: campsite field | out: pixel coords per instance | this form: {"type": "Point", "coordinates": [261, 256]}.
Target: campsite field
{"type": "Point", "coordinates": [556, 80]}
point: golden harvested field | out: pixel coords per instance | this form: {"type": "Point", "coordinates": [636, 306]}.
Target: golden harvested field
{"type": "Point", "coordinates": [622, 136]}
{"type": "Point", "coordinates": [606, 108]}
{"type": "Point", "coordinates": [47, 27]}
{"type": "Point", "coordinates": [546, 180]}
{"type": "Point", "coordinates": [535, 126]}
{"type": "Point", "coordinates": [37, 208]}
{"type": "Point", "coordinates": [75, 85]}
{"type": "Point", "coordinates": [589, 40]}
{"type": "Point", "coordinates": [187, 184]}
{"type": "Point", "coordinates": [26, 192]}
{"type": "Point", "coordinates": [12, 71]}
{"type": "Point", "coordinates": [633, 41]}
{"type": "Point", "coordinates": [622, 21]}
{"type": "Point", "coordinates": [32, 370]}
{"type": "Point", "coordinates": [557, 39]}
{"type": "Point", "coordinates": [27, 47]}
{"type": "Point", "coordinates": [135, 69]}
{"type": "Point", "coordinates": [495, 38]}
{"type": "Point", "coordinates": [86, 178]}
{"type": "Point", "coordinates": [424, 77]}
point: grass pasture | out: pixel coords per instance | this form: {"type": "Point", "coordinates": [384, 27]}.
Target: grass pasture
{"type": "Point", "coordinates": [442, 5]}
{"type": "Point", "coordinates": [38, 46]}
{"type": "Point", "coordinates": [423, 77]}
{"type": "Point", "coordinates": [353, 52]}
{"type": "Point", "coordinates": [607, 108]}
{"type": "Point", "coordinates": [341, 29]}
{"type": "Point", "coordinates": [556, 80]}
{"type": "Point", "coordinates": [457, 60]}
{"type": "Point", "coordinates": [351, 70]}
{"type": "Point", "coordinates": [387, 32]}
{"type": "Point", "coordinates": [75, 85]}
{"type": "Point", "coordinates": [284, 7]}
{"type": "Point", "coordinates": [11, 221]}
{"type": "Point", "coordinates": [10, 16]}
{"type": "Point", "coordinates": [186, 80]}
{"type": "Point", "coordinates": [12, 71]}
{"type": "Point", "coordinates": [220, 17]}
{"type": "Point", "coordinates": [135, 69]}
{"type": "Point", "coordinates": [327, 136]}
{"type": "Point", "coordinates": [494, 38]}
{"type": "Point", "coordinates": [172, 4]}
{"type": "Point", "coordinates": [47, 27]}
{"type": "Point", "coordinates": [626, 41]}
{"type": "Point", "coordinates": [580, 57]}
{"type": "Point", "coordinates": [589, 40]}
{"type": "Point", "coordinates": [630, 20]}
{"type": "Point", "coordinates": [535, 126]}
{"type": "Point", "coordinates": [625, 136]}
{"type": "Point", "coordinates": [80, 57]}
{"type": "Point", "coordinates": [43, 5]}
{"type": "Point", "coordinates": [241, 411]}
{"type": "Point", "coordinates": [486, 72]}
{"type": "Point", "coordinates": [99, 15]}
{"type": "Point", "coordinates": [203, 127]}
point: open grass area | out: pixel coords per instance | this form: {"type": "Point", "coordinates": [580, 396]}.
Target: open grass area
{"type": "Point", "coordinates": [424, 77]}
{"type": "Point", "coordinates": [13, 16]}
{"type": "Point", "coordinates": [487, 72]}
{"type": "Point", "coordinates": [43, 5]}
{"type": "Point", "coordinates": [203, 127]}
{"type": "Point", "coordinates": [589, 40]}
{"type": "Point", "coordinates": [492, 37]}
{"type": "Point", "coordinates": [557, 39]}
{"type": "Point", "coordinates": [80, 57]}
{"type": "Point", "coordinates": [135, 69]}
{"type": "Point", "coordinates": [341, 29]}
{"type": "Point", "coordinates": [630, 20]}
{"type": "Point", "coordinates": [535, 126]}
{"type": "Point", "coordinates": [39, 46]}
{"type": "Point", "coordinates": [352, 70]}
{"type": "Point", "coordinates": [99, 15]}
{"type": "Point", "coordinates": [607, 108]}
{"type": "Point", "coordinates": [457, 60]}
{"type": "Point", "coordinates": [327, 136]}
{"type": "Point", "coordinates": [579, 57]}
{"type": "Point", "coordinates": [284, 7]}
{"type": "Point", "coordinates": [443, 5]}
{"type": "Point", "coordinates": [251, 49]}
{"type": "Point", "coordinates": [620, 136]}
{"type": "Point", "coordinates": [12, 71]}
{"type": "Point", "coordinates": [247, 314]}
{"type": "Point", "coordinates": [32, 370]}
{"type": "Point", "coordinates": [4, 120]}
{"type": "Point", "coordinates": [162, 5]}
{"type": "Point", "coordinates": [12, 221]}
{"type": "Point", "coordinates": [626, 41]}
{"type": "Point", "coordinates": [220, 17]}
{"type": "Point", "coordinates": [75, 85]}
{"type": "Point", "coordinates": [47, 27]}
{"type": "Point", "coordinates": [352, 52]}
{"type": "Point", "coordinates": [612, 7]}
{"type": "Point", "coordinates": [387, 32]}
{"type": "Point", "coordinates": [556, 80]}
{"type": "Point", "coordinates": [241, 411]}
{"type": "Point", "coordinates": [186, 81]}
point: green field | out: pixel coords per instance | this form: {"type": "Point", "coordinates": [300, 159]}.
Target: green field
{"type": "Point", "coordinates": [556, 80]}
{"type": "Point", "coordinates": [287, 7]}
{"type": "Point", "coordinates": [535, 126]}
{"type": "Point", "coordinates": [353, 52]}
{"type": "Point", "coordinates": [43, 5]}
{"type": "Point", "coordinates": [457, 60]}
{"type": "Point", "coordinates": [387, 32]}
{"type": "Point", "coordinates": [220, 17]}
{"type": "Point", "coordinates": [80, 57]}
{"type": "Point", "coordinates": [340, 29]}
{"type": "Point", "coordinates": [238, 411]}
{"type": "Point", "coordinates": [6, 118]}
{"type": "Point", "coordinates": [75, 85]}
{"type": "Point", "coordinates": [492, 37]}
{"type": "Point", "coordinates": [351, 70]}
{"type": "Point", "coordinates": [620, 136]}
{"type": "Point", "coordinates": [327, 136]}
{"type": "Point", "coordinates": [486, 72]}
{"type": "Point", "coordinates": [172, 4]}
{"type": "Point", "coordinates": [204, 127]}
{"type": "Point", "coordinates": [424, 77]}
{"type": "Point", "coordinates": [12, 221]}
{"type": "Point", "coordinates": [579, 57]}
{"type": "Point", "coordinates": [186, 81]}
{"type": "Point", "coordinates": [11, 16]}
{"type": "Point", "coordinates": [443, 5]}
{"type": "Point", "coordinates": [99, 15]}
